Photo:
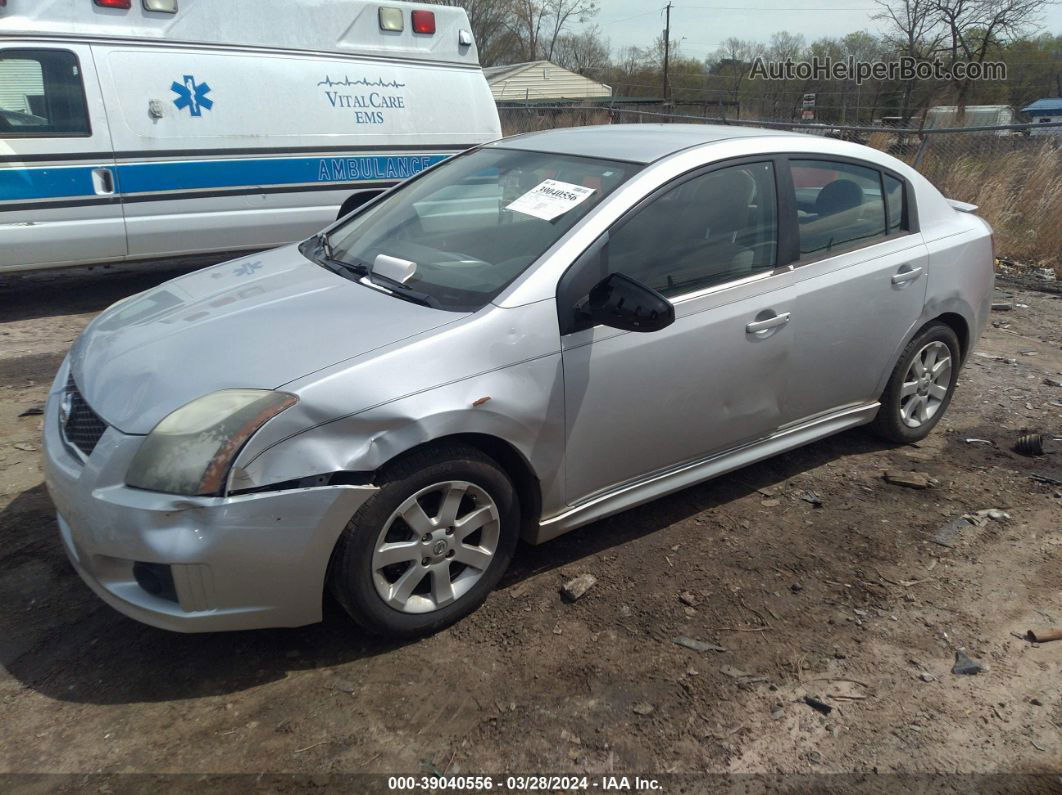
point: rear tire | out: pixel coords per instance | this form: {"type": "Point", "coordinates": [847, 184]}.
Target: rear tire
{"type": "Point", "coordinates": [921, 386]}
{"type": "Point", "coordinates": [430, 545]}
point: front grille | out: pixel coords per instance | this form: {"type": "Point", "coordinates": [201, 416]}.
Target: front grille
{"type": "Point", "coordinates": [83, 427]}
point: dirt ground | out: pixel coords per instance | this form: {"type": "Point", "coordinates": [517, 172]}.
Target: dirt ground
{"type": "Point", "coordinates": [851, 601]}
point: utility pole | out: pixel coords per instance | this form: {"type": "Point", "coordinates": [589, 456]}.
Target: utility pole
{"type": "Point", "coordinates": [667, 51]}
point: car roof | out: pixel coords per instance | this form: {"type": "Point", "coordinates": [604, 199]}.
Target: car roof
{"type": "Point", "coordinates": [637, 143]}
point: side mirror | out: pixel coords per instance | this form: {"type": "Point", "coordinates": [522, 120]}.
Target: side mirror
{"type": "Point", "coordinates": [625, 303]}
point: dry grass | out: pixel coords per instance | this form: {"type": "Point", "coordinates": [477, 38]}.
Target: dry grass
{"type": "Point", "coordinates": [1016, 184]}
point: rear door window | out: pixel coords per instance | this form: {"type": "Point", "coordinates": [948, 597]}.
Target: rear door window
{"type": "Point", "coordinates": [839, 206]}
{"type": "Point", "coordinates": [42, 94]}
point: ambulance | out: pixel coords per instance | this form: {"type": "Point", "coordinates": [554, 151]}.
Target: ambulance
{"type": "Point", "coordinates": [148, 129]}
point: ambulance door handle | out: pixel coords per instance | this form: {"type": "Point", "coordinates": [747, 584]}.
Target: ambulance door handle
{"type": "Point", "coordinates": [103, 181]}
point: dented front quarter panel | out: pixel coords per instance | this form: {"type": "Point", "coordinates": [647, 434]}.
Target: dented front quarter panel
{"type": "Point", "coordinates": [359, 415]}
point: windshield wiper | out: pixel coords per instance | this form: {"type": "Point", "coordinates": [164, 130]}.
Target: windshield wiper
{"type": "Point", "coordinates": [325, 254]}
{"type": "Point", "coordinates": [399, 290]}
{"type": "Point", "coordinates": [320, 250]}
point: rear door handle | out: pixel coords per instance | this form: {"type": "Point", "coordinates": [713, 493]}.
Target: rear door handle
{"type": "Point", "coordinates": [906, 276]}
{"type": "Point", "coordinates": [771, 322]}
{"type": "Point", "coordinates": [103, 181]}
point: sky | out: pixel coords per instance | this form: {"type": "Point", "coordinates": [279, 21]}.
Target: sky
{"type": "Point", "coordinates": [701, 25]}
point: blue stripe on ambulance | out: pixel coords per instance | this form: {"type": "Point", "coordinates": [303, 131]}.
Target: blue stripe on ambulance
{"type": "Point", "coordinates": [25, 184]}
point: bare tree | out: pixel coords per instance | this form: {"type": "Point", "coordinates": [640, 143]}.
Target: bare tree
{"type": "Point", "coordinates": [914, 30]}
{"type": "Point", "coordinates": [585, 53]}
{"type": "Point", "coordinates": [490, 22]}
{"type": "Point", "coordinates": [732, 62]}
{"type": "Point", "coordinates": [539, 23]}
{"type": "Point", "coordinates": [973, 29]}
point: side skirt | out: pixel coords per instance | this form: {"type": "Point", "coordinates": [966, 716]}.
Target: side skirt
{"type": "Point", "coordinates": [659, 484]}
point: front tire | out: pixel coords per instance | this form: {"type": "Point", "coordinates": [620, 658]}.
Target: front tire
{"type": "Point", "coordinates": [430, 545]}
{"type": "Point", "coordinates": [921, 386]}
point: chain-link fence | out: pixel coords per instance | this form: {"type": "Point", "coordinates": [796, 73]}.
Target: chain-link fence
{"type": "Point", "coordinates": [1012, 173]}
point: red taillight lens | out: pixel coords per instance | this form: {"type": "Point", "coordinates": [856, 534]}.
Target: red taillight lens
{"type": "Point", "coordinates": [423, 21]}
{"type": "Point", "coordinates": [114, 3]}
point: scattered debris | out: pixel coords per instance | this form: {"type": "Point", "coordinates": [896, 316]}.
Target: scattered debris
{"type": "Point", "coordinates": [1052, 381]}
{"type": "Point", "coordinates": [737, 673]}
{"type": "Point", "coordinates": [1030, 444]}
{"type": "Point", "coordinates": [568, 737]}
{"type": "Point", "coordinates": [1044, 635]}
{"type": "Point", "coordinates": [1002, 307]}
{"type": "Point", "coordinates": [777, 713]}
{"type": "Point", "coordinates": [965, 665]}
{"type": "Point", "coordinates": [343, 685]}
{"type": "Point", "coordinates": [812, 498]}
{"type": "Point", "coordinates": [770, 503]}
{"type": "Point", "coordinates": [25, 446]}
{"type": "Point", "coordinates": [1040, 477]}
{"type": "Point", "coordinates": [818, 705]}
{"type": "Point", "coordinates": [978, 441]}
{"type": "Point", "coordinates": [33, 411]}
{"type": "Point", "coordinates": [796, 587]}
{"type": "Point", "coordinates": [995, 514]}
{"type": "Point", "coordinates": [643, 708]}
{"type": "Point", "coordinates": [947, 534]}
{"type": "Point", "coordinates": [926, 676]}
{"type": "Point", "coordinates": [575, 589]}
{"type": "Point", "coordinates": [688, 598]}
{"type": "Point", "coordinates": [697, 645]}
{"type": "Point", "coordinates": [912, 480]}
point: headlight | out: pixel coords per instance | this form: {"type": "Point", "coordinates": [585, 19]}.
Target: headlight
{"type": "Point", "coordinates": [190, 452]}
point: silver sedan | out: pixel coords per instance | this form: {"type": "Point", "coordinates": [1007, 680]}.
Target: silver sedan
{"type": "Point", "coordinates": [533, 335]}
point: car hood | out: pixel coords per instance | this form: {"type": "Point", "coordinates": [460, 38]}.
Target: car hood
{"type": "Point", "coordinates": [257, 322]}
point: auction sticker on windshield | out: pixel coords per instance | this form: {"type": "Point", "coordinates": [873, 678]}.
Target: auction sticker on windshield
{"type": "Point", "coordinates": [550, 199]}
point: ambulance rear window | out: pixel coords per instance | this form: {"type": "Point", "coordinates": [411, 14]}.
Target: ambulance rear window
{"type": "Point", "coordinates": [41, 95]}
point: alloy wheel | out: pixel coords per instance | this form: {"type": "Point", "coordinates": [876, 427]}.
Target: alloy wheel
{"type": "Point", "coordinates": [925, 385]}
{"type": "Point", "coordinates": [435, 546]}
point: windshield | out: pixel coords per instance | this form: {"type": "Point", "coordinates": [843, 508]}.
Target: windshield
{"type": "Point", "coordinates": [474, 224]}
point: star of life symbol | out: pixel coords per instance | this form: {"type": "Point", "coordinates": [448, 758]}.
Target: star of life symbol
{"type": "Point", "coordinates": [192, 95]}
{"type": "Point", "coordinates": [248, 268]}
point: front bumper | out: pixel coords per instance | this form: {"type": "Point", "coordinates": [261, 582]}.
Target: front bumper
{"type": "Point", "coordinates": [246, 562]}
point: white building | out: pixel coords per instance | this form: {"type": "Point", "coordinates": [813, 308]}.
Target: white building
{"type": "Point", "coordinates": [540, 80]}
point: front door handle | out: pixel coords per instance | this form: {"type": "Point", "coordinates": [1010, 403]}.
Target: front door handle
{"type": "Point", "coordinates": [907, 275]}
{"type": "Point", "coordinates": [103, 181]}
{"type": "Point", "coordinates": [763, 325]}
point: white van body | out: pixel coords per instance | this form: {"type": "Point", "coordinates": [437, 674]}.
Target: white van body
{"type": "Point", "coordinates": [128, 134]}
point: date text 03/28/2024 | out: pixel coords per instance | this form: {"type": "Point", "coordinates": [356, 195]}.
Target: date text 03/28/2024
{"type": "Point", "coordinates": [522, 783]}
